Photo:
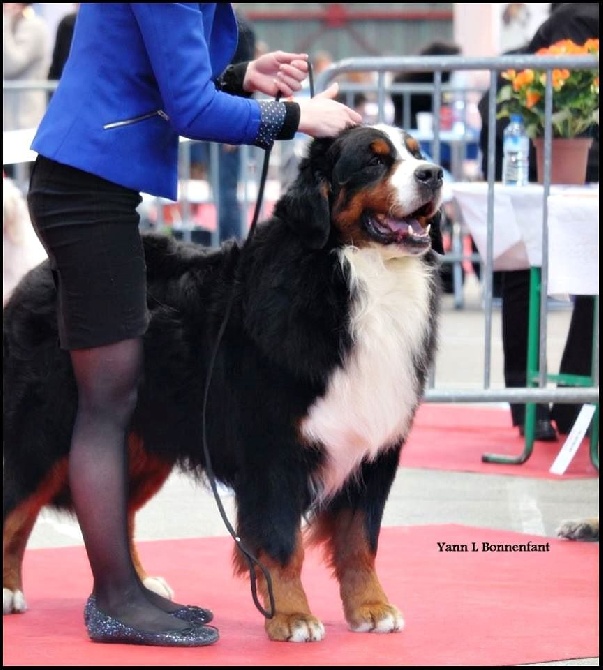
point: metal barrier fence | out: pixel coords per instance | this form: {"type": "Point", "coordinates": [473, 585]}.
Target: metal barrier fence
{"type": "Point", "coordinates": [381, 88]}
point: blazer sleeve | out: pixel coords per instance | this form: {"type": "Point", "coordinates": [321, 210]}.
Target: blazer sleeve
{"type": "Point", "coordinates": [175, 40]}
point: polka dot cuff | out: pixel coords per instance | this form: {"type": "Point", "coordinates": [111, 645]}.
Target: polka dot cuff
{"type": "Point", "coordinates": [279, 120]}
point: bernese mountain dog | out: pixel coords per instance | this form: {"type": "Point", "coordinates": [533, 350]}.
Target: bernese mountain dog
{"type": "Point", "coordinates": [326, 319]}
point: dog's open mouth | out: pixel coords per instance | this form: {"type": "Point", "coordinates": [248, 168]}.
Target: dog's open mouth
{"type": "Point", "coordinates": [407, 232]}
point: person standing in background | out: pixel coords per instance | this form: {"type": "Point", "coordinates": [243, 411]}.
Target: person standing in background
{"type": "Point", "coordinates": [578, 22]}
{"type": "Point", "coordinates": [421, 101]}
{"type": "Point", "coordinates": [25, 44]}
{"type": "Point", "coordinates": [230, 223]}
{"type": "Point", "coordinates": [229, 211]}
{"type": "Point", "coordinates": [25, 48]}
{"type": "Point", "coordinates": [62, 45]}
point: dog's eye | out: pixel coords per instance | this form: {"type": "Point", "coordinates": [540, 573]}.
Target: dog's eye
{"type": "Point", "coordinates": [376, 160]}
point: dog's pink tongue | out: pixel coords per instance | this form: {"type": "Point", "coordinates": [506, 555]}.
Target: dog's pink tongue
{"type": "Point", "coordinates": [401, 226]}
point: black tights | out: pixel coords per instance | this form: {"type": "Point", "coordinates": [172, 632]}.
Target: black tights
{"type": "Point", "coordinates": [515, 293]}
{"type": "Point", "coordinates": [107, 380]}
{"type": "Point", "coordinates": [577, 352]}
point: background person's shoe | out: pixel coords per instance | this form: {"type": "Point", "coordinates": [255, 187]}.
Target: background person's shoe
{"type": "Point", "coordinates": [564, 416]}
{"type": "Point", "coordinates": [544, 431]}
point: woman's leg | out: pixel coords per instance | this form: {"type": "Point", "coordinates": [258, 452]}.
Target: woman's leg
{"type": "Point", "coordinates": [89, 228]}
{"type": "Point", "coordinates": [515, 291]}
{"type": "Point", "coordinates": [514, 318]}
{"type": "Point", "coordinates": [107, 379]}
{"type": "Point", "coordinates": [577, 357]}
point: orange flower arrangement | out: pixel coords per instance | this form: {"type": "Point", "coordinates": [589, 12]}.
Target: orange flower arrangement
{"type": "Point", "coordinates": [575, 93]}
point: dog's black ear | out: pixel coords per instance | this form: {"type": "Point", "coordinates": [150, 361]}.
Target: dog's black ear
{"type": "Point", "coordinates": [435, 232]}
{"type": "Point", "coordinates": [305, 204]}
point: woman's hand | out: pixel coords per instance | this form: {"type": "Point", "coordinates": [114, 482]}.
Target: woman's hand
{"type": "Point", "coordinates": [281, 72]}
{"type": "Point", "coordinates": [276, 72]}
{"type": "Point", "coordinates": [323, 116]}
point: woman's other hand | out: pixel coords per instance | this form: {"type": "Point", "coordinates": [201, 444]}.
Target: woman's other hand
{"type": "Point", "coordinates": [276, 72]}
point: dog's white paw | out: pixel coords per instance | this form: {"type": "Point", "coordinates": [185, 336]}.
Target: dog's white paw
{"type": "Point", "coordinates": [13, 601]}
{"type": "Point", "coordinates": [307, 631]}
{"type": "Point", "coordinates": [295, 628]}
{"type": "Point", "coordinates": [388, 620]}
{"type": "Point", "coordinates": [160, 586]}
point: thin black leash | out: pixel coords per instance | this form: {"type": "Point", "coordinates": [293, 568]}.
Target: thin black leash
{"type": "Point", "coordinates": [251, 560]}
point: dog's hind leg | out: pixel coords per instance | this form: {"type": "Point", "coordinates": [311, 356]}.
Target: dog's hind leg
{"type": "Point", "coordinates": [154, 583]}
{"type": "Point", "coordinates": [147, 476]}
{"type": "Point", "coordinates": [20, 514]}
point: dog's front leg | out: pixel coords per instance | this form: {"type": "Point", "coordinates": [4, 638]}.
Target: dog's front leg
{"type": "Point", "coordinates": [365, 605]}
{"type": "Point", "coordinates": [349, 530]}
{"type": "Point", "coordinates": [292, 620]}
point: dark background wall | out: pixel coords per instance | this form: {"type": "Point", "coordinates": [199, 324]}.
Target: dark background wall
{"type": "Point", "coordinates": [351, 29]}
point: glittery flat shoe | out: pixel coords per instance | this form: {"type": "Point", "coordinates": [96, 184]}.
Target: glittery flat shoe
{"type": "Point", "coordinates": [191, 613]}
{"type": "Point", "coordinates": [103, 628]}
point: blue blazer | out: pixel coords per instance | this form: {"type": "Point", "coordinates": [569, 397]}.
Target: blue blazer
{"type": "Point", "coordinates": [138, 76]}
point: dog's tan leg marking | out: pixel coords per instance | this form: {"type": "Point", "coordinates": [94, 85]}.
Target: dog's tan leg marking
{"type": "Point", "coordinates": [365, 605]}
{"type": "Point", "coordinates": [17, 529]}
{"type": "Point", "coordinates": [147, 475]}
{"type": "Point", "coordinates": [292, 620]}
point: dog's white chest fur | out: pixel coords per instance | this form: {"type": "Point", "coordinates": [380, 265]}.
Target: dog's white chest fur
{"type": "Point", "coordinates": [369, 403]}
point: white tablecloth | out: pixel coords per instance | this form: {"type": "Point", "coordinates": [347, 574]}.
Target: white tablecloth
{"type": "Point", "coordinates": [573, 230]}
{"type": "Point", "coordinates": [573, 220]}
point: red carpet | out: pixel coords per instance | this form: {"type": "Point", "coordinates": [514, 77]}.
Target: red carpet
{"type": "Point", "coordinates": [454, 437]}
{"type": "Point", "coordinates": [461, 609]}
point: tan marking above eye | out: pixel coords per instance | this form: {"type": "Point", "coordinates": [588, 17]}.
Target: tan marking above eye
{"type": "Point", "coordinates": [412, 145]}
{"type": "Point", "coordinates": [381, 147]}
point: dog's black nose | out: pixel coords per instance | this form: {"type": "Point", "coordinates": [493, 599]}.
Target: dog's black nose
{"type": "Point", "coordinates": [430, 175]}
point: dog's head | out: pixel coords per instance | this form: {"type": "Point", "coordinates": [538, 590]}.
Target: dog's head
{"type": "Point", "coordinates": [370, 187]}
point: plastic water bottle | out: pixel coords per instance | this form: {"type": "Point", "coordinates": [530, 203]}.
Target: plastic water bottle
{"type": "Point", "coordinates": [516, 153]}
